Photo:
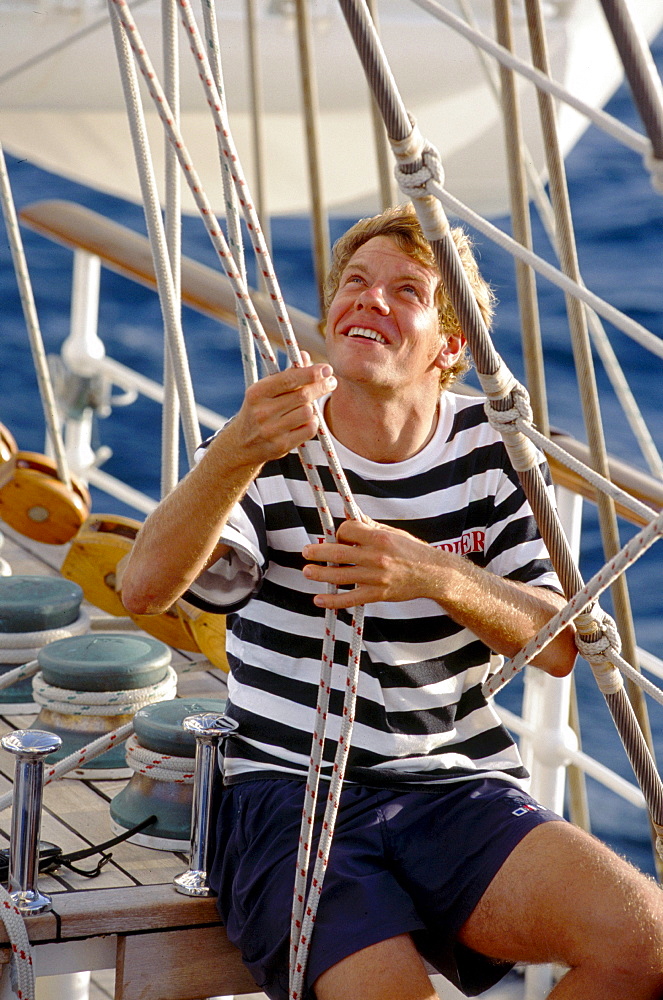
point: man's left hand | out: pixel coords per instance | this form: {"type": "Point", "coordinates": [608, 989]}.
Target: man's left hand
{"type": "Point", "coordinates": [381, 564]}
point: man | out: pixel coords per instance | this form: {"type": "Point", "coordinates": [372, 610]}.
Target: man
{"type": "Point", "coordinates": [438, 850]}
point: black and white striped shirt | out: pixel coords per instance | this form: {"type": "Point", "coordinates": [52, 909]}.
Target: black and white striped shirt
{"type": "Point", "coordinates": [421, 718]}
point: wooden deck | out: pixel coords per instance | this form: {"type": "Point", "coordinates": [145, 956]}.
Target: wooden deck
{"type": "Point", "coordinates": [140, 938]}
{"type": "Point", "coordinates": [130, 917]}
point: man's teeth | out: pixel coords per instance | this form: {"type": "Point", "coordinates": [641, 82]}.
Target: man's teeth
{"type": "Point", "coordinates": [359, 331]}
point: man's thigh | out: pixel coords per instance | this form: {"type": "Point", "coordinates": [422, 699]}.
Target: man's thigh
{"type": "Point", "coordinates": [563, 896]}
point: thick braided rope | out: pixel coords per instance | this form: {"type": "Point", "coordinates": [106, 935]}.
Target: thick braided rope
{"type": "Point", "coordinates": [79, 758]}
{"type": "Point", "coordinates": [22, 973]}
{"type": "Point", "coordinates": [168, 298]}
{"type": "Point", "coordinates": [26, 645]}
{"type": "Point", "coordinates": [44, 380]}
{"type": "Point", "coordinates": [232, 273]}
{"type": "Point", "coordinates": [160, 767]}
{"type": "Point", "coordinates": [70, 702]}
{"type": "Point", "coordinates": [226, 258]}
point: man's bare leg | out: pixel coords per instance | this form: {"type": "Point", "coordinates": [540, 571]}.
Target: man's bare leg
{"type": "Point", "coordinates": [389, 970]}
{"type": "Point", "coordinates": [563, 896]}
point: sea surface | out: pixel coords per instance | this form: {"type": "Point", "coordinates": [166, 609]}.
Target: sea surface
{"type": "Point", "coordinates": [619, 222]}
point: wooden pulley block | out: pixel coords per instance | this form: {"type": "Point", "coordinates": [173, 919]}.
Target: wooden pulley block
{"type": "Point", "coordinates": [103, 540]}
{"type": "Point", "coordinates": [8, 446]}
{"type": "Point", "coordinates": [209, 631]}
{"type": "Point", "coordinates": [36, 503]}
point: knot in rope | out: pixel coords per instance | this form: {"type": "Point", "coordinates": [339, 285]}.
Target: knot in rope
{"type": "Point", "coordinates": [522, 453]}
{"type": "Point", "coordinates": [655, 167]}
{"type": "Point", "coordinates": [415, 150]}
{"type": "Point", "coordinates": [596, 651]}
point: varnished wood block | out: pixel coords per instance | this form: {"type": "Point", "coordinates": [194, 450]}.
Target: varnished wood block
{"type": "Point", "coordinates": [179, 965]}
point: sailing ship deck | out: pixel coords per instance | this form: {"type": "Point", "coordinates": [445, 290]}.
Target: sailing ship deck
{"type": "Point", "coordinates": [142, 939]}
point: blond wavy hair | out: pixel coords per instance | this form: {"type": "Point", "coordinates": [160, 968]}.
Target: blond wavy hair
{"type": "Point", "coordinates": [402, 226]}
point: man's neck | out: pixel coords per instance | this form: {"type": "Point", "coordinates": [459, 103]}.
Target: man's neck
{"type": "Point", "coordinates": [380, 427]}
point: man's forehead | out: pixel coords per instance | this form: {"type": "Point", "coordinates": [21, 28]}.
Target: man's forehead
{"type": "Point", "coordinates": [383, 249]}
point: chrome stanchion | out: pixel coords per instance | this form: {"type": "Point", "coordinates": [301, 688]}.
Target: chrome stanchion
{"type": "Point", "coordinates": [210, 729]}
{"type": "Point", "coordinates": [29, 746]}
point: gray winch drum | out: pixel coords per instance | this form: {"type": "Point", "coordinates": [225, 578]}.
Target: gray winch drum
{"type": "Point", "coordinates": [32, 611]}
{"type": "Point", "coordinates": [158, 728]}
{"type": "Point", "coordinates": [93, 663]}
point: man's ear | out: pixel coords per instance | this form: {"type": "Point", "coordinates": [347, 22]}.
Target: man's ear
{"type": "Point", "coordinates": [450, 351]}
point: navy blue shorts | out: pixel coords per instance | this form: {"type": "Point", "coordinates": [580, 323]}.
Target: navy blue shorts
{"type": "Point", "coordinates": [401, 862]}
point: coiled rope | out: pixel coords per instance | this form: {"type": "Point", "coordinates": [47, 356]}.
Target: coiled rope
{"type": "Point", "coordinates": [160, 767]}
{"type": "Point", "coordinates": [69, 702]}
{"type": "Point", "coordinates": [23, 646]}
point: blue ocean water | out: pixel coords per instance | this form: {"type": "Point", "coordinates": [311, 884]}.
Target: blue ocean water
{"type": "Point", "coordinates": [619, 222]}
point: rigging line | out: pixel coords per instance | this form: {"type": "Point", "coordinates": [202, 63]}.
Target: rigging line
{"type": "Point", "coordinates": [419, 171]}
{"type": "Point", "coordinates": [618, 130]}
{"type": "Point", "coordinates": [60, 46]}
{"type": "Point", "coordinates": [170, 413]}
{"type": "Point", "coordinates": [594, 478]}
{"type": "Point", "coordinates": [640, 70]}
{"type": "Point", "coordinates": [611, 364]}
{"type": "Point", "coordinates": [239, 286]}
{"type": "Point", "coordinates": [235, 241]}
{"type": "Point", "coordinates": [155, 229]}
{"type": "Point", "coordinates": [630, 327]}
{"type": "Point", "coordinates": [32, 322]}
{"type": "Point", "coordinates": [626, 557]}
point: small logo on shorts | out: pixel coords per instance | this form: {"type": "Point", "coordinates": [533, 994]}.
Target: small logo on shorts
{"type": "Point", "coordinates": [529, 807]}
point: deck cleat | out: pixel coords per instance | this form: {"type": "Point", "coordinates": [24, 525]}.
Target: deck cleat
{"type": "Point", "coordinates": [162, 755]}
{"type": "Point", "coordinates": [36, 503]}
{"type": "Point", "coordinates": [34, 612]}
{"type": "Point", "coordinates": [90, 685]}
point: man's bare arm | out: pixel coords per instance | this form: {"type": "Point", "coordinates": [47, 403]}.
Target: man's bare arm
{"type": "Point", "coordinates": [385, 564]}
{"type": "Point", "coordinates": [180, 538]}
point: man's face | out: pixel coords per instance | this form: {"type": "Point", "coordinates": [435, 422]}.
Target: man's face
{"type": "Point", "coordinates": [383, 324]}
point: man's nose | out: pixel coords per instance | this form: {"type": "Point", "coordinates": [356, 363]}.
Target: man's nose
{"type": "Point", "coordinates": [373, 297]}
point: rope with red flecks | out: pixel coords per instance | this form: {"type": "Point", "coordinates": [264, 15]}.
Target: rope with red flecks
{"type": "Point", "coordinates": [300, 920]}
{"type": "Point", "coordinates": [21, 968]}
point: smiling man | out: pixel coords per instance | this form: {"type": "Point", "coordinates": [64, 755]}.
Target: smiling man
{"type": "Point", "coordinates": [438, 851]}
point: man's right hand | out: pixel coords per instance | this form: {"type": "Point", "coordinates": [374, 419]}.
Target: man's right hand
{"type": "Point", "coordinates": [278, 414]}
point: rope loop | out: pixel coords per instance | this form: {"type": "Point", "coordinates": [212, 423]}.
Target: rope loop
{"type": "Point", "coordinates": [597, 651]}
{"type": "Point", "coordinates": [127, 702]}
{"type": "Point", "coordinates": [522, 452]}
{"type": "Point", "coordinates": [655, 167]}
{"type": "Point", "coordinates": [160, 767]}
{"type": "Point", "coordinates": [415, 149]}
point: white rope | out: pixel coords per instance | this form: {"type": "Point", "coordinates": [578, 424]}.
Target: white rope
{"type": "Point", "coordinates": [69, 702]}
{"type": "Point", "coordinates": [156, 232]}
{"type": "Point", "coordinates": [32, 322]}
{"type": "Point", "coordinates": [160, 767]}
{"type": "Point", "coordinates": [622, 133]}
{"type": "Point", "coordinates": [596, 480]}
{"type": "Point", "coordinates": [12, 676]}
{"type": "Point", "coordinates": [522, 453]}
{"type": "Point", "coordinates": [625, 558]}
{"type": "Point", "coordinates": [43, 637]}
{"type": "Point", "coordinates": [21, 969]}
{"type": "Point", "coordinates": [624, 323]}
